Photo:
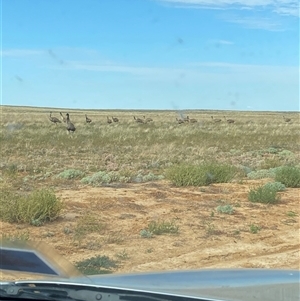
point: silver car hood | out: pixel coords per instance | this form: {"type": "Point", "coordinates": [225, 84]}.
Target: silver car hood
{"type": "Point", "coordinates": [210, 284]}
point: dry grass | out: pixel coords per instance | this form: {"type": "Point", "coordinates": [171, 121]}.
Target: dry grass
{"type": "Point", "coordinates": [39, 150]}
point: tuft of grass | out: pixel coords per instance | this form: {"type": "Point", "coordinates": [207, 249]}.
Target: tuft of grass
{"type": "Point", "coordinates": [200, 175]}
{"type": "Point", "coordinates": [71, 174]}
{"type": "Point", "coordinates": [96, 265]}
{"type": "Point", "coordinates": [146, 233]}
{"type": "Point", "coordinates": [264, 194]}
{"type": "Point", "coordinates": [291, 214]}
{"type": "Point", "coordinates": [20, 236]}
{"type": "Point", "coordinates": [254, 229]}
{"type": "Point", "coordinates": [227, 209]}
{"type": "Point", "coordinates": [123, 255]}
{"type": "Point", "coordinates": [289, 176]}
{"type": "Point", "coordinates": [36, 208]}
{"type": "Point", "coordinates": [162, 227]}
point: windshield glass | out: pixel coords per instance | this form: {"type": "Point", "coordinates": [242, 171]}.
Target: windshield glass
{"type": "Point", "coordinates": [154, 135]}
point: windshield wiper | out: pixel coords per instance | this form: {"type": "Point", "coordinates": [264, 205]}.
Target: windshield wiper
{"type": "Point", "coordinates": [66, 292]}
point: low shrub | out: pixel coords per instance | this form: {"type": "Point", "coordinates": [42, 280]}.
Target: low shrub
{"type": "Point", "coordinates": [100, 178]}
{"type": "Point", "coordinates": [289, 176]}
{"type": "Point", "coordinates": [162, 227]}
{"type": "Point", "coordinates": [96, 265]}
{"type": "Point", "coordinates": [36, 208]}
{"type": "Point", "coordinates": [71, 174]}
{"type": "Point", "coordinates": [227, 209]}
{"type": "Point", "coordinates": [278, 186]}
{"type": "Point", "coordinates": [200, 175]}
{"type": "Point", "coordinates": [264, 194]}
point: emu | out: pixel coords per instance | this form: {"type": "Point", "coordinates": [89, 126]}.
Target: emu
{"type": "Point", "coordinates": [216, 120]}
{"type": "Point", "coordinates": [87, 120]}
{"type": "Point", "coordinates": [138, 120]}
{"type": "Point", "coordinates": [191, 120]}
{"type": "Point", "coordinates": [54, 119]}
{"type": "Point", "coordinates": [70, 125]}
{"type": "Point", "coordinates": [180, 121]}
{"type": "Point", "coordinates": [229, 120]}
{"type": "Point", "coordinates": [147, 119]}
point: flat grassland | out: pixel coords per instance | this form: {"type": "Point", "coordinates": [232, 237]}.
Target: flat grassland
{"type": "Point", "coordinates": [106, 219]}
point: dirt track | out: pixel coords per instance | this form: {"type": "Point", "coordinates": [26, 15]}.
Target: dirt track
{"type": "Point", "coordinates": [206, 238]}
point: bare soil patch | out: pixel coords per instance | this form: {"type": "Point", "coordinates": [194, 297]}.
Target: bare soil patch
{"type": "Point", "coordinates": [206, 238]}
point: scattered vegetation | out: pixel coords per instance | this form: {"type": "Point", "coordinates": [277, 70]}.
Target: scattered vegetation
{"type": "Point", "coordinates": [291, 213]}
{"type": "Point", "coordinates": [289, 176]}
{"type": "Point", "coordinates": [146, 233]}
{"type": "Point", "coordinates": [71, 174]}
{"type": "Point", "coordinates": [227, 209]}
{"type": "Point", "coordinates": [96, 265]}
{"type": "Point", "coordinates": [262, 173]}
{"type": "Point", "coordinates": [254, 228]}
{"type": "Point", "coordinates": [36, 208]}
{"type": "Point", "coordinates": [264, 194]}
{"type": "Point", "coordinates": [159, 228]}
{"type": "Point", "coordinates": [19, 236]}
{"type": "Point", "coordinates": [87, 224]}
{"type": "Point", "coordinates": [200, 175]}
{"type": "Point", "coordinates": [103, 177]}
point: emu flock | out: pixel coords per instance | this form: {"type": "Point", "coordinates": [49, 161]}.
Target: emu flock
{"type": "Point", "coordinates": [110, 120]}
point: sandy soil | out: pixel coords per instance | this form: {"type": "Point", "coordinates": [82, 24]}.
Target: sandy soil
{"type": "Point", "coordinates": [206, 238]}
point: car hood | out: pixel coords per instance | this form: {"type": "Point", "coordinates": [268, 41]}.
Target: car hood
{"type": "Point", "coordinates": [213, 284]}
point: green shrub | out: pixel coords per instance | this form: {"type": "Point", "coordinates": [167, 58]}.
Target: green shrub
{"type": "Point", "coordinates": [276, 186]}
{"type": "Point", "coordinates": [162, 227]}
{"type": "Point", "coordinates": [96, 265]}
{"type": "Point", "coordinates": [101, 177]}
{"type": "Point", "coordinates": [289, 176]}
{"type": "Point", "coordinates": [263, 194]}
{"type": "Point", "coordinates": [200, 175]}
{"type": "Point", "coordinates": [254, 228]}
{"type": "Point", "coordinates": [262, 173]}
{"type": "Point", "coordinates": [71, 174]}
{"type": "Point", "coordinates": [146, 233]}
{"type": "Point", "coordinates": [36, 208]}
{"type": "Point", "coordinates": [227, 209]}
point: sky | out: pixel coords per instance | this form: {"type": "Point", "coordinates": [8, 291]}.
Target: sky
{"type": "Point", "coordinates": [151, 54]}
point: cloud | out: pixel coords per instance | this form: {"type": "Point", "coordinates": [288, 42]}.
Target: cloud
{"type": "Point", "coordinates": [255, 22]}
{"type": "Point", "coordinates": [282, 7]}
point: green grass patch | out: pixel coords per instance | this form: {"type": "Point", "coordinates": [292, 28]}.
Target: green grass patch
{"type": "Point", "coordinates": [226, 209]}
{"type": "Point", "coordinates": [265, 194]}
{"type": "Point", "coordinates": [200, 175]}
{"type": "Point", "coordinates": [254, 229]}
{"type": "Point", "coordinates": [162, 227]}
{"type": "Point", "coordinates": [289, 176]}
{"type": "Point", "coordinates": [71, 174]}
{"type": "Point", "coordinates": [36, 208]}
{"type": "Point", "coordinates": [96, 265]}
